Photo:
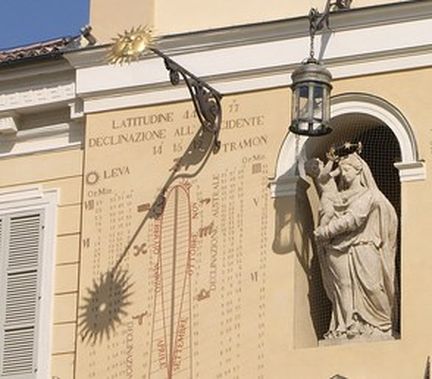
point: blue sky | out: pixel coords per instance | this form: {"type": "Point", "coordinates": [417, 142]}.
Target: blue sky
{"type": "Point", "coordinates": [27, 21]}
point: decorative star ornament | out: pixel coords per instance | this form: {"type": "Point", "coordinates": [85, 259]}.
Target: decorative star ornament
{"type": "Point", "coordinates": [131, 45]}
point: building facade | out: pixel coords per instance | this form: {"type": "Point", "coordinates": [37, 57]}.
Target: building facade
{"type": "Point", "coordinates": [131, 248]}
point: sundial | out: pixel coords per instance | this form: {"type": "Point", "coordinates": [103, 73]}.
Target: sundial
{"type": "Point", "coordinates": [107, 300]}
{"type": "Point", "coordinates": [173, 280]}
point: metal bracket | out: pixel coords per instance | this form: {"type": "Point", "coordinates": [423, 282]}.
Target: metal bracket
{"type": "Point", "coordinates": [206, 100]}
{"type": "Point", "coordinates": [317, 20]}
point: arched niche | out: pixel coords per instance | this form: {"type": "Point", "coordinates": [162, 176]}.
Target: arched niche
{"type": "Point", "coordinates": [293, 153]}
{"type": "Point", "coordinates": [393, 154]}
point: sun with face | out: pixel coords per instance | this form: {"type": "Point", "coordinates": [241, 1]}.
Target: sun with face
{"type": "Point", "coordinates": [131, 45]}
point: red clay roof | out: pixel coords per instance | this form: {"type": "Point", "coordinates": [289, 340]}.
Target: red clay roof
{"type": "Point", "coordinates": [39, 49]}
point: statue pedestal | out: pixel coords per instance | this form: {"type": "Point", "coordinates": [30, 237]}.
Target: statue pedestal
{"type": "Point", "coordinates": [360, 339]}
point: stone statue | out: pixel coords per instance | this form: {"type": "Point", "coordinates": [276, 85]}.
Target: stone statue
{"type": "Point", "coordinates": [356, 238]}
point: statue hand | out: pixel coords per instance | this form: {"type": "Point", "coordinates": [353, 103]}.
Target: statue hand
{"type": "Point", "coordinates": [319, 234]}
{"type": "Point", "coordinates": [331, 155]}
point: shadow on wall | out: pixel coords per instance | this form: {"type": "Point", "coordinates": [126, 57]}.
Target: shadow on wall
{"type": "Point", "coordinates": [8, 141]}
{"type": "Point", "coordinates": [105, 303]}
{"type": "Point", "coordinates": [294, 225]}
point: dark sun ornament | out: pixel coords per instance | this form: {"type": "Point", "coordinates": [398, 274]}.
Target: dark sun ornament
{"type": "Point", "coordinates": [104, 306]}
{"type": "Point", "coordinates": [131, 45]}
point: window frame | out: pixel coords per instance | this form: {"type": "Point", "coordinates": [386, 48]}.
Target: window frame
{"type": "Point", "coordinates": [27, 200]}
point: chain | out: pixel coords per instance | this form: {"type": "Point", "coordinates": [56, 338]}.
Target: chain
{"type": "Point", "coordinates": [312, 47]}
{"type": "Point", "coordinates": [314, 26]}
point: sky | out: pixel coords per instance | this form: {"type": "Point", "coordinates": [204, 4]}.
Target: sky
{"type": "Point", "coordinates": [27, 21]}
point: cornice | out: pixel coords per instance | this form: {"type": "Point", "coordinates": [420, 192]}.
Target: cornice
{"type": "Point", "coordinates": [23, 87]}
{"type": "Point", "coordinates": [260, 56]}
{"type": "Point", "coordinates": [68, 135]}
{"type": "Point", "coordinates": [344, 53]}
{"type": "Point", "coordinates": [160, 91]}
{"type": "Point", "coordinates": [290, 28]}
{"type": "Point", "coordinates": [34, 69]}
{"type": "Point", "coordinates": [284, 29]}
{"type": "Point", "coordinates": [287, 186]}
{"type": "Point", "coordinates": [36, 95]}
{"type": "Point", "coordinates": [33, 91]}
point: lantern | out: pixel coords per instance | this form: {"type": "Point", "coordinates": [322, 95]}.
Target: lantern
{"type": "Point", "coordinates": [311, 86]}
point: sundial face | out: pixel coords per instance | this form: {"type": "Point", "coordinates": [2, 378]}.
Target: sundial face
{"type": "Point", "coordinates": [174, 286]}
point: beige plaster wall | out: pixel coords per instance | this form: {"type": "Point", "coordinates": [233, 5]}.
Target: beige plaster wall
{"type": "Point", "coordinates": [289, 329]}
{"type": "Point", "coordinates": [109, 17]}
{"type": "Point", "coordinates": [191, 15]}
{"type": "Point", "coordinates": [248, 310]}
{"type": "Point", "coordinates": [287, 285]}
{"type": "Point", "coordinates": [62, 171]}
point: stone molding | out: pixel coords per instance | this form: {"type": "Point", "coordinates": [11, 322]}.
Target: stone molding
{"type": "Point", "coordinates": [254, 64]}
{"type": "Point", "coordinates": [35, 92]}
{"type": "Point", "coordinates": [48, 138]}
{"type": "Point", "coordinates": [36, 95]}
{"type": "Point", "coordinates": [264, 32]}
{"type": "Point", "coordinates": [8, 124]}
{"type": "Point", "coordinates": [411, 171]}
{"type": "Point", "coordinates": [287, 186]}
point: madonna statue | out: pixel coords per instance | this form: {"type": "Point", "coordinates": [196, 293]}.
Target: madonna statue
{"type": "Point", "coordinates": [356, 237]}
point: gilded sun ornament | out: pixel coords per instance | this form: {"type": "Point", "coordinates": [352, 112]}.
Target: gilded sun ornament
{"type": "Point", "coordinates": [131, 45]}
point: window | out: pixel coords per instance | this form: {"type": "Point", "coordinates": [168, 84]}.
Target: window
{"type": "Point", "coordinates": [26, 271]}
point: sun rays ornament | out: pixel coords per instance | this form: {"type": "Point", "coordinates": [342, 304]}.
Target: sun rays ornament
{"type": "Point", "coordinates": [131, 45]}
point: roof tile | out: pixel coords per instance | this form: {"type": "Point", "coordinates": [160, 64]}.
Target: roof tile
{"type": "Point", "coordinates": [39, 49]}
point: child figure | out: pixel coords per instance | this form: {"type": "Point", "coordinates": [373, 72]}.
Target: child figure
{"type": "Point", "coordinates": [323, 177]}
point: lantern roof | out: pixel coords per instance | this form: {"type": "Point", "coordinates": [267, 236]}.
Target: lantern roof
{"type": "Point", "coordinates": [311, 70]}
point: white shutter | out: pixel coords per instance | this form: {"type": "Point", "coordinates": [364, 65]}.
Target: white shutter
{"type": "Point", "coordinates": [21, 243]}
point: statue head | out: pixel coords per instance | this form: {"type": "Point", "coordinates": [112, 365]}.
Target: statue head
{"type": "Point", "coordinates": [352, 160]}
{"type": "Point", "coordinates": [313, 167]}
{"type": "Point", "coordinates": [351, 167]}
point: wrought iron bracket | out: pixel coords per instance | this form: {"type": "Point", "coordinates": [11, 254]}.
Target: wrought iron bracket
{"type": "Point", "coordinates": [317, 20]}
{"type": "Point", "coordinates": [206, 100]}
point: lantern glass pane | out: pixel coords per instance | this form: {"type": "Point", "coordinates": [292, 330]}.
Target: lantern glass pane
{"type": "Point", "coordinates": [318, 102]}
{"type": "Point", "coordinates": [326, 105]}
{"type": "Point", "coordinates": [304, 91]}
{"type": "Point", "coordinates": [303, 102]}
{"type": "Point", "coordinates": [295, 104]}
